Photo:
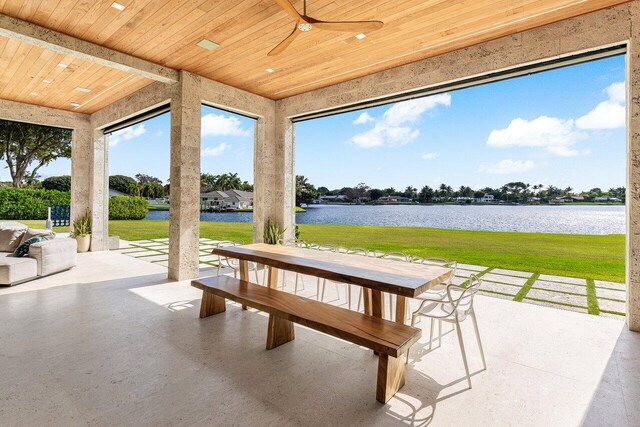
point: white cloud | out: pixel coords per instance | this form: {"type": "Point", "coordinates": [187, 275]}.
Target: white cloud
{"type": "Point", "coordinates": [126, 134]}
{"type": "Point", "coordinates": [429, 156]}
{"type": "Point", "coordinates": [554, 134]}
{"type": "Point", "coordinates": [609, 114]}
{"type": "Point", "coordinates": [363, 118]}
{"type": "Point", "coordinates": [508, 166]}
{"type": "Point", "coordinates": [221, 125]}
{"type": "Point", "coordinates": [215, 151]}
{"type": "Point", "coordinates": [391, 129]}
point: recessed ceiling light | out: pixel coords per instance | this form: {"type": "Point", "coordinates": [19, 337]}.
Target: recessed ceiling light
{"type": "Point", "coordinates": [360, 36]}
{"type": "Point", "coordinates": [33, 94]}
{"type": "Point", "coordinates": [269, 70]}
{"type": "Point", "coordinates": [208, 44]}
{"type": "Point", "coordinates": [117, 5]}
{"type": "Point", "coordinates": [46, 82]}
{"type": "Point", "coordinates": [83, 89]}
{"type": "Point", "coordinates": [63, 65]}
{"type": "Point", "coordinates": [75, 104]}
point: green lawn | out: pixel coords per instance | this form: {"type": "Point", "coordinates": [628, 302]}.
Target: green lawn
{"type": "Point", "coordinates": [592, 257]}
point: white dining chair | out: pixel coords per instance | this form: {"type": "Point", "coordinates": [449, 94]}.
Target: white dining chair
{"type": "Point", "coordinates": [454, 309]}
{"type": "Point", "coordinates": [234, 263]}
{"type": "Point", "coordinates": [294, 243]}
{"type": "Point", "coordinates": [321, 283]}
{"type": "Point", "coordinates": [438, 292]}
{"type": "Point", "coordinates": [395, 256]}
{"type": "Point", "coordinates": [360, 252]}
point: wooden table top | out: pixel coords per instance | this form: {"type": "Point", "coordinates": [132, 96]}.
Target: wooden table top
{"type": "Point", "coordinates": [396, 277]}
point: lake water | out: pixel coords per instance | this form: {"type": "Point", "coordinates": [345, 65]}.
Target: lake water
{"type": "Point", "coordinates": [578, 219]}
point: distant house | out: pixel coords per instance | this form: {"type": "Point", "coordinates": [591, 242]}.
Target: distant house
{"type": "Point", "coordinates": [393, 199]}
{"type": "Point", "coordinates": [331, 199]}
{"type": "Point", "coordinates": [230, 199]}
{"type": "Point", "coordinates": [487, 198]}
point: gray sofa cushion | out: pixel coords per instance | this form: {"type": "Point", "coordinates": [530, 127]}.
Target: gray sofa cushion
{"type": "Point", "coordinates": [10, 238]}
{"type": "Point", "coordinates": [13, 270]}
{"type": "Point", "coordinates": [55, 255]}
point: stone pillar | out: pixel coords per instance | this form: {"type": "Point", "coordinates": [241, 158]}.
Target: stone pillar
{"type": "Point", "coordinates": [89, 182]}
{"type": "Point", "coordinates": [81, 158]}
{"type": "Point", "coordinates": [633, 172]}
{"type": "Point", "coordinates": [99, 181]}
{"type": "Point", "coordinates": [184, 211]}
{"type": "Point", "coordinates": [274, 175]}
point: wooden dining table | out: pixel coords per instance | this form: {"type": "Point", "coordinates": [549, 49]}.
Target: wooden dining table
{"type": "Point", "coordinates": [375, 275]}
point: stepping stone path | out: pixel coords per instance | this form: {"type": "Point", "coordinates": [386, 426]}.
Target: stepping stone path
{"type": "Point", "coordinates": [595, 297]}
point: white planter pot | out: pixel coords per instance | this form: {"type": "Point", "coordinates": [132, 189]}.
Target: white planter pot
{"type": "Point", "coordinates": [84, 243]}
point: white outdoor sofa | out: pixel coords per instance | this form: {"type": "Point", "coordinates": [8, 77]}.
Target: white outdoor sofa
{"type": "Point", "coordinates": [44, 258]}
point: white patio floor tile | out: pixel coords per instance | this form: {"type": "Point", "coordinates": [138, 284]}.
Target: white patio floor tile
{"type": "Point", "coordinates": [561, 287]}
{"type": "Point", "coordinates": [609, 305]}
{"type": "Point", "coordinates": [612, 285]}
{"type": "Point", "coordinates": [608, 293]}
{"type": "Point", "coordinates": [154, 258]}
{"type": "Point", "coordinates": [557, 306]}
{"type": "Point", "coordinates": [557, 297]}
{"type": "Point", "coordinates": [563, 279]}
{"type": "Point", "coordinates": [465, 273]}
{"type": "Point", "coordinates": [472, 267]}
{"type": "Point", "coordinates": [524, 274]}
{"type": "Point", "coordinates": [499, 287]}
{"type": "Point", "coordinates": [520, 281]}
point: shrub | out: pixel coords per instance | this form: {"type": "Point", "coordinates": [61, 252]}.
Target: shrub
{"type": "Point", "coordinates": [121, 183]}
{"type": "Point", "coordinates": [60, 183]}
{"type": "Point", "coordinates": [24, 203]}
{"type": "Point", "coordinates": [124, 207]}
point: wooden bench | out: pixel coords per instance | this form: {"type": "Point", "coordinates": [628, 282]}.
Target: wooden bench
{"type": "Point", "coordinates": [389, 339]}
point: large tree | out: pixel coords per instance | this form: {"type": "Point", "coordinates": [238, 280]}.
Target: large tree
{"type": "Point", "coordinates": [26, 148]}
{"type": "Point", "coordinates": [305, 191]}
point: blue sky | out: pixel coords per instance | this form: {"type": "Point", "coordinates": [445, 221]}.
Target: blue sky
{"type": "Point", "coordinates": [563, 127]}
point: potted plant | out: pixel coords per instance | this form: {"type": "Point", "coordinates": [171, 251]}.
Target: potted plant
{"type": "Point", "coordinates": [82, 232]}
{"type": "Point", "coordinates": [272, 232]}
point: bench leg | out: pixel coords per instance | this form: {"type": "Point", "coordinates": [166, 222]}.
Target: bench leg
{"type": "Point", "coordinates": [211, 304]}
{"type": "Point", "coordinates": [244, 275]}
{"type": "Point", "coordinates": [280, 332]}
{"type": "Point", "coordinates": [390, 377]}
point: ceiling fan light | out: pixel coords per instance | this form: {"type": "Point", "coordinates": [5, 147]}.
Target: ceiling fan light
{"type": "Point", "coordinates": [305, 26]}
{"type": "Point", "coordinates": [269, 70]}
{"type": "Point", "coordinates": [361, 36]}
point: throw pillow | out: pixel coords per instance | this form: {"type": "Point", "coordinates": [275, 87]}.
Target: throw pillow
{"type": "Point", "coordinates": [10, 238]}
{"type": "Point", "coordinates": [23, 249]}
{"type": "Point", "coordinates": [46, 234]}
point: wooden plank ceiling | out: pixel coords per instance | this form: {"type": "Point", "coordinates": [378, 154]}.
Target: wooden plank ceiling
{"type": "Point", "coordinates": [167, 31]}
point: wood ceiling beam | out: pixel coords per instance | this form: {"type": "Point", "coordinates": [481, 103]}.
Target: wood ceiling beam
{"type": "Point", "coordinates": [33, 34]}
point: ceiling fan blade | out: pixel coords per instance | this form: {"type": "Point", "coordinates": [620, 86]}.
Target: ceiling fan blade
{"type": "Point", "coordinates": [285, 43]}
{"type": "Point", "coordinates": [288, 7]}
{"type": "Point", "coordinates": [351, 26]}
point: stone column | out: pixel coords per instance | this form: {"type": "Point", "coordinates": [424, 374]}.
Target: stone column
{"type": "Point", "coordinates": [274, 175]}
{"type": "Point", "coordinates": [99, 181]}
{"type": "Point", "coordinates": [633, 172]}
{"type": "Point", "coordinates": [184, 211]}
{"type": "Point", "coordinates": [89, 182]}
{"type": "Point", "coordinates": [81, 159]}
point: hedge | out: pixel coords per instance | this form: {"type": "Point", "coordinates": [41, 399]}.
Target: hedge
{"type": "Point", "coordinates": [60, 183]}
{"type": "Point", "coordinates": [24, 203]}
{"type": "Point", "coordinates": [124, 207]}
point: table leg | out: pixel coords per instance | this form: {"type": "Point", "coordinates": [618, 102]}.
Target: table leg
{"type": "Point", "coordinates": [272, 281]}
{"type": "Point", "coordinates": [401, 309]}
{"type": "Point", "coordinates": [244, 274]}
{"type": "Point", "coordinates": [377, 303]}
{"type": "Point", "coordinates": [366, 295]}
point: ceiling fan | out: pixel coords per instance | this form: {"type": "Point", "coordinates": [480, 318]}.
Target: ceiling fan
{"type": "Point", "coordinates": [306, 23]}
